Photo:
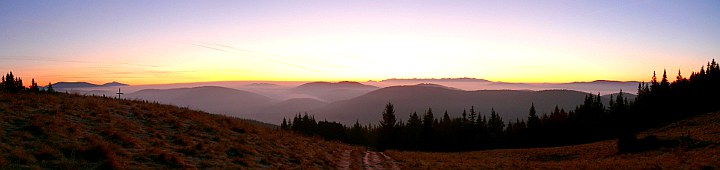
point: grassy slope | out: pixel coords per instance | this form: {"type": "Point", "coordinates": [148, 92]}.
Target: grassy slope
{"type": "Point", "coordinates": [78, 132]}
{"type": "Point", "coordinates": [698, 139]}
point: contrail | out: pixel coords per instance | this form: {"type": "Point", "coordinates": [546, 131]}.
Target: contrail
{"type": "Point", "coordinates": [234, 50]}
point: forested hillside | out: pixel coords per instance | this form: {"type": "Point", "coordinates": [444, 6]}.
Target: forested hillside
{"type": "Point", "coordinates": [659, 102]}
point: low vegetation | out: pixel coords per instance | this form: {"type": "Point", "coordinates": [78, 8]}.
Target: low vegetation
{"type": "Point", "coordinates": [688, 144]}
{"type": "Point", "coordinates": [64, 131]}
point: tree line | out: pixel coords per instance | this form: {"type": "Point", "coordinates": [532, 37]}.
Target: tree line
{"type": "Point", "coordinates": [12, 84]}
{"type": "Point", "coordinates": [658, 102]}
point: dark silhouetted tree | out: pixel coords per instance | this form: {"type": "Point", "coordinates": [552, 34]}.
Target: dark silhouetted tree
{"type": "Point", "coordinates": [533, 119]}
{"type": "Point", "coordinates": [413, 132]}
{"type": "Point", "coordinates": [387, 128]}
{"type": "Point", "coordinates": [284, 125]}
{"type": "Point", "coordinates": [428, 127]}
{"type": "Point", "coordinates": [12, 84]}
{"type": "Point", "coordinates": [50, 88]}
{"type": "Point", "coordinates": [472, 117]}
{"type": "Point", "coordinates": [34, 87]}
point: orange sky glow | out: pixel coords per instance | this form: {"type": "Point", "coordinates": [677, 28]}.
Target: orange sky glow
{"type": "Point", "coordinates": [196, 41]}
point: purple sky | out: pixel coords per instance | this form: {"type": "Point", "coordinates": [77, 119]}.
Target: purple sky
{"type": "Point", "coordinates": [148, 42]}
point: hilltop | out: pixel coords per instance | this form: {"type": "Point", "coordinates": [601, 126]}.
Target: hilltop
{"type": "Point", "coordinates": [65, 131]}
{"type": "Point", "coordinates": [67, 85]}
{"type": "Point", "coordinates": [68, 131]}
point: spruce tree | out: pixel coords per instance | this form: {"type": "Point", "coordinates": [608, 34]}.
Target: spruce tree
{"type": "Point", "coordinates": [387, 128]}
{"type": "Point", "coordinates": [284, 125]}
{"type": "Point", "coordinates": [50, 88]}
{"type": "Point", "coordinates": [472, 116]}
{"type": "Point", "coordinates": [533, 119]}
{"type": "Point", "coordinates": [34, 87]}
{"type": "Point", "coordinates": [495, 124]}
{"type": "Point", "coordinates": [446, 118]}
{"type": "Point", "coordinates": [428, 120]}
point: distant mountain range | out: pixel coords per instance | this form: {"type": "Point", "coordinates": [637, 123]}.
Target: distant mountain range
{"type": "Point", "coordinates": [261, 85]}
{"type": "Point", "coordinates": [430, 80]}
{"type": "Point", "coordinates": [367, 108]}
{"type": "Point", "coordinates": [331, 92]}
{"type": "Point", "coordinates": [213, 99]}
{"type": "Point", "coordinates": [347, 102]}
{"type": "Point", "coordinates": [68, 85]}
{"type": "Point", "coordinates": [598, 86]}
{"type": "Point", "coordinates": [467, 79]}
{"type": "Point", "coordinates": [510, 104]}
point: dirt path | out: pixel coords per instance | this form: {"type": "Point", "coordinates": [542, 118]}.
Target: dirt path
{"type": "Point", "coordinates": [366, 160]}
{"type": "Point", "coordinates": [345, 160]}
{"type": "Point", "coordinates": [378, 160]}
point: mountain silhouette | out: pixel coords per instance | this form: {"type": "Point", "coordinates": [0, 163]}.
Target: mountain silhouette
{"type": "Point", "coordinates": [112, 84]}
{"type": "Point", "coordinates": [349, 101]}
{"type": "Point", "coordinates": [261, 85]}
{"type": "Point", "coordinates": [286, 109]}
{"type": "Point", "coordinates": [213, 99]}
{"type": "Point", "coordinates": [510, 104]}
{"type": "Point", "coordinates": [431, 80]}
{"type": "Point", "coordinates": [629, 96]}
{"type": "Point", "coordinates": [331, 92]}
{"type": "Point", "coordinates": [67, 85]}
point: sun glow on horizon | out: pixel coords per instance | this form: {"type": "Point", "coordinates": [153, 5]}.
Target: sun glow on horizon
{"type": "Point", "coordinates": [153, 43]}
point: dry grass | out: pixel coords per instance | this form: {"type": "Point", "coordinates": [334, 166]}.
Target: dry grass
{"type": "Point", "coordinates": [698, 137]}
{"type": "Point", "coordinates": [80, 132]}
{"type": "Point", "coordinates": [40, 131]}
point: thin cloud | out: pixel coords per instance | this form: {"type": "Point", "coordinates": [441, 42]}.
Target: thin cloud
{"type": "Point", "coordinates": [46, 59]}
{"type": "Point", "coordinates": [233, 50]}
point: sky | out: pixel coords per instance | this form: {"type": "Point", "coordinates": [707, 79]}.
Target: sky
{"type": "Point", "coordinates": [157, 42]}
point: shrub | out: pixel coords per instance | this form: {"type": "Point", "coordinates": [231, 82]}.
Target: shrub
{"type": "Point", "coordinates": [649, 143]}
{"type": "Point", "coordinates": [626, 143]}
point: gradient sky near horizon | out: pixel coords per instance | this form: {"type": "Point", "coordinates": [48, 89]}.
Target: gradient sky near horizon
{"type": "Point", "coordinates": [155, 42]}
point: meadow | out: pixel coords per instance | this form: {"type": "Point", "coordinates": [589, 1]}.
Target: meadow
{"type": "Point", "coordinates": [65, 131]}
{"type": "Point", "coordinates": [693, 144]}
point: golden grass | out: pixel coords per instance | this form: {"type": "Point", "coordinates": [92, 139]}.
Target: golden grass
{"type": "Point", "coordinates": [599, 155]}
{"type": "Point", "coordinates": [64, 131]}
{"type": "Point", "coordinates": [40, 131]}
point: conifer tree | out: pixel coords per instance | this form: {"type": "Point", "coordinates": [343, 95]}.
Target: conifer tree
{"type": "Point", "coordinates": [495, 124]}
{"type": "Point", "coordinates": [664, 84]}
{"type": "Point", "coordinates": [679, 76]}
{"type": "Point", "coordinates": [34, 87]}
{"type": "Point", "coordinates": [446, 117]}
{"type": "Point", "coordinates": [428, 120]}
{"type": "Point", "coordinates": [533, 119]}
{"type": "Point", "coordinates": [387, 128]}
{"type": "Point", "coordinates": [414, 120]}
{"type": "Point", "coordinates": [654, 83]}
{"type": "Point", "coordinates": [2, 83]}
{"type": "Point", "coordinates": [472, 115]}
{"type": "Point", "coordinates": [388, 117]}
{"type": "Point", "coordinates": [50, 88]}
{"type": "Point", "coordinates": [284, 125]}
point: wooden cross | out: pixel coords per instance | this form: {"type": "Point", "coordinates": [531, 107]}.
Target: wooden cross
{"type": "Point", "coordinates": [119, 93]}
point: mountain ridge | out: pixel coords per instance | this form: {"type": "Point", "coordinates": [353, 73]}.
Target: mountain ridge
{"type": "Point", "coordinates": [510, 104]}
{"type": "Point", "coordinates": [214, 99]}
{"type": "Point", "coordinates": [60, 85]}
